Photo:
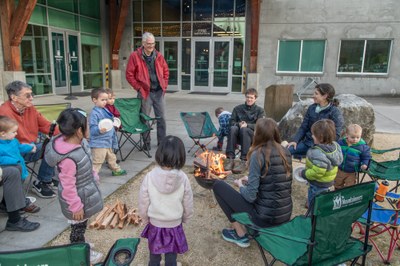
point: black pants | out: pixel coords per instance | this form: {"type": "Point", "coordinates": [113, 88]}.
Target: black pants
{"type": "Point", "coordinates": [242, 136]}
{"type": "Point", "coordinates": [78, 232]}
{"type": "Point", "coordinates": [170, 259]}
{"type": "Point", "coordinates": [230, 200]}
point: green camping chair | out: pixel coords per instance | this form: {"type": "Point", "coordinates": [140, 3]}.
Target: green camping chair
{"type": "Point", "coordinates": [386, 170]}
{"type": "Point", "coordinates": [65, 255]}
{"type": "Point", "coordinates": [52, 111]}
{"type": "Point", "coordinates": [133, 123]}
{"type": "Point", "coordinates": [199, 126]}
{"type": "Point", "coordinates": [324, 238]}
{"type": "Point", "coordinates": [121, 253]}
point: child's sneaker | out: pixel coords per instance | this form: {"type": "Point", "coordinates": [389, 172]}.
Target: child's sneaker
{"type": "Point", "coordinates": [95, 257]}
{"type": "Point", "coordinates": [119, 172]}
{"type": "Point", "coordinates": [230, 235]}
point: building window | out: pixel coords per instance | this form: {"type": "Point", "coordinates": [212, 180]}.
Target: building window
{"type": "Point", "coordinates": [301, 56]}
{"type": "Point", "coordinates": [364, 56]}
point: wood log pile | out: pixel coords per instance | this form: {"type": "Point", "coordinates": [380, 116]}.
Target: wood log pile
{"type": "Point", "coordinates": [116, 215]}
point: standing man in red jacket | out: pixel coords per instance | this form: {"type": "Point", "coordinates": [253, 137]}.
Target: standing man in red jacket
{"type": "Point", "coordinates": [147, 72]}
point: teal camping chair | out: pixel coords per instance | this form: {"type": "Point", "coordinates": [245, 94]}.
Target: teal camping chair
{"type": "Point", "coordinates": [199, 126]}
{"type": "Point", "coordinates": [324, 238]}
{"type": "Point", "coordinates": [133, 123]}
{"type": "Point", "coordinates": [384, 170]}
{"type": "Point", "coordinates": [121, 253]}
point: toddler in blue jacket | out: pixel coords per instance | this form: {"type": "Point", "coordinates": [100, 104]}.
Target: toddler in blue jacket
{"type": "Point", "coordinates": [103, 140]}
{"type": "Point", "coordinates": [356, 156]}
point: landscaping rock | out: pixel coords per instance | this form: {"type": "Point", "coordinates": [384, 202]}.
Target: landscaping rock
{"type": "Point", "coordinates": [355, 110]}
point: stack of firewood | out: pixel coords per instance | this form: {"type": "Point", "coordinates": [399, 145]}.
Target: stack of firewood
{"type": "Point", "coordinates": [116, 215]}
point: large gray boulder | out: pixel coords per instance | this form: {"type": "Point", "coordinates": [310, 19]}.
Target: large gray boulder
{"type": "Point", "coordinates": [355, 110]}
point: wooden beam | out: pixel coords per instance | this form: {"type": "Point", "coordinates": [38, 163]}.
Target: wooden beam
{"type": "Point", "coordinates": [117, 32]}
{"type": "Point", "coordinates": [6, 8]}
{"type": "Point", "coordinates": [254, 31]}
{"type": "Point", "coordinates": [20, 20]}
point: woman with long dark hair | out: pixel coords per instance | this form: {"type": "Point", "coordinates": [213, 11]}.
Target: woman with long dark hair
{"type": "Point", "coordinates": [325, 106]}
{"type": "Point", "coordinates": [266, 193]}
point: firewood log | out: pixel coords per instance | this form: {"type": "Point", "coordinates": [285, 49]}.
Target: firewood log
{"type": "Point", "coordinates": [99, 218]}
{"type": "Point", "coordinates": [114, 221]}
{"type": "Point", "coordinates": [107, 220]}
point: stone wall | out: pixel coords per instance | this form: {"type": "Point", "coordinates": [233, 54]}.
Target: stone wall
{"type": "Point", "coordinates": [355, 110]}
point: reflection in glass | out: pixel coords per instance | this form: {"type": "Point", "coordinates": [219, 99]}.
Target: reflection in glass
{"type": "Point", "coordinates": [137, 10]}
{"type": "Point", "coordinates": [221, 62]}
{"type": "Point", "coordinates": [202, 29]}
{"type": "Point", "coordinates": [171, 10]}
{"type": "Point", "coordinates": [351, 54]}
{"type": "Point", "coordinates": [238, 45]}
{"type": "Point", "coordinates": [223, 8]}
{"type": "Point", "coordinates": [201, 60]}
{"type": "Point", "coordinates": [202, 10]}
{"type": "Point", "coordinates": [222, 27]}
{"type": "Point", "coordinates": [137, 42]}
{"type": "Point", "coordinates": [41, 84]}
{"type": "Point", "coordinates": [171, 29]}
{"type": "Point", "coordinates": [152, 10]}
{"type": "Point", "coordinates": [154, 28]}
{"type": "Point", "coordinates": [91, 81]}
{"type": "Point", "coordinates": [186, 52]}
{"type": "Point", "coordinates": [377, 56]}
{"type": "Point", "coordinates": [236, 84]}
{"type": "Point", "coordinates": [137, 30]}
{"type": "Point", "coordinates": [73, 59]}
{"type": "Point", "coordinates": [171, 56]}
{"type": "Point", "coordinates": [186, 10]}
{"type": "Point", "coordinates": [59, 57]}
{"type": "Point", "coordinates": [240, 10]}
{"type": "Point", "coordinates": [186, 29]}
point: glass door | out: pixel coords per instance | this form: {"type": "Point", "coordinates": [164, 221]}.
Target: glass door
{"type": "Point", "coordinates": [171, 55]}
{"type": "Point", "coordinates": [201, 65]}
{"type": "Point", "coordinates": [222, 74]}
{"type": "Point", "coordinates": [66, 62]}
{"type": "Point", "coordinates": [212, 65]}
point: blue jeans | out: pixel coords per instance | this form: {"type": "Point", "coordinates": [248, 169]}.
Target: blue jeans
{"type": "Point", "coordinates": [314, 191]}
{"type": "Point", "coordinates": [300, 151]}
{"type": "Point", "coordinates": [157, 101]}
{"type": "Point", "coordinates": [46, 172]}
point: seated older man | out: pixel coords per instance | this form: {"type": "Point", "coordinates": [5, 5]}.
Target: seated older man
{"type": "Point", "coordinates": [30, 123]}
{"type": "Point", "coordinates": [14, 199]}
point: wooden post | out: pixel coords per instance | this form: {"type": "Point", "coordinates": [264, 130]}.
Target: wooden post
{"type": "Point", "coordinates": [254, 31]}
{"type": "Point", "coordinates": [117, 25]}
{"type": "Point", "coordinates": [13, 27]}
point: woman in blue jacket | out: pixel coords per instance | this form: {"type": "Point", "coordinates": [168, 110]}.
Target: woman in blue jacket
{"type": "Point", "coordinates": [324, 107]}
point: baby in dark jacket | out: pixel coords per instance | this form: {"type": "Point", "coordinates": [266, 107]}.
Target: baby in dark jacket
{"type": "Point", "coordinates": [356, 155]}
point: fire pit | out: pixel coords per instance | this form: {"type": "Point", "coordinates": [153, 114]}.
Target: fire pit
{"type": "Point", "coordinates": [208, 167]}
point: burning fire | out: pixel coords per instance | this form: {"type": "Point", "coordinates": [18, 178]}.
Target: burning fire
{"type": "Point", "coordinates": [210, 165]}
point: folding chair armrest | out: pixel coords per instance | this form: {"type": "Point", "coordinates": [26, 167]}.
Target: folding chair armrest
{"type": "Point", "coordinates": [376, 151]}
{"type": "Point", "coordinates": [148, 118]}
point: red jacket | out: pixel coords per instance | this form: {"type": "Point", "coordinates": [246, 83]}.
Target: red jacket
{"type": "Point", "coordinates": [30, 123]}
{"type": "Point", "coordinates": [138, 76]}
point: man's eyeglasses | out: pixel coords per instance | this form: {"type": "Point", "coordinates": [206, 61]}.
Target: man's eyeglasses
{"type": "Point", "coordinates": [150, 44]}
{"type": "Point", "coordinates": [27, 95]}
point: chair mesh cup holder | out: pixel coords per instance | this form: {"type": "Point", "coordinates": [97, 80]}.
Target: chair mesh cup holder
{"type": "Point", "coordinates": [122, 256]}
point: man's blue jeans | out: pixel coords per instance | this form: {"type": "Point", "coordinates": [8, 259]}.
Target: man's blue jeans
{"type": "Point", "coordinates": [46, 172]}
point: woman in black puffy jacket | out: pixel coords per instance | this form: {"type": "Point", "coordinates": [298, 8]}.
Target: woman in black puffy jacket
{"type": "Point", "coordinates": [266, 193]}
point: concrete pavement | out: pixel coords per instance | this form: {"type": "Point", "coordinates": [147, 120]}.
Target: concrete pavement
{"type": "Point", "coordinates": [387, 114]}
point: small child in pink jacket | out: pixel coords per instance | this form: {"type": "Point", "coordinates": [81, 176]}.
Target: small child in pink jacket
{"type": "Point", "coordinates": [165, 202]}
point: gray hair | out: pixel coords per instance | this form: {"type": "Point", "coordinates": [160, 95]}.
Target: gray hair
{"type": "Point", "coordinates": [146, 36]}
{"type": "Point", "coordinates": [14, 88]}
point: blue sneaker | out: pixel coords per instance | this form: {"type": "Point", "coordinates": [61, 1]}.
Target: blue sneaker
{"type": "Point", "coordinates": [230, 235]}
